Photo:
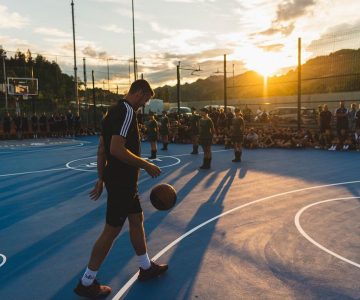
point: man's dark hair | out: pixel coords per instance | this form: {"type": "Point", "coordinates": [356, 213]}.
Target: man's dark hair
{"type": "Point", "coordinates": [141, 85]}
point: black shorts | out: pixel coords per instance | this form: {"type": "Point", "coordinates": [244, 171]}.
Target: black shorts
{"type": "Point", "coordinates": [121, 202]}
{"type": "Point", "coordinates": [237, 139]}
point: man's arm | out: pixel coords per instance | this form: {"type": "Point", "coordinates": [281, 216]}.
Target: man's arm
{"type": "Point", "coordinates": [119, 151]}
{"type": "Point", "coordinates": [101, 162]}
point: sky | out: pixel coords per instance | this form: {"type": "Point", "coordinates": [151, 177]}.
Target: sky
{"type": "Point", "coordinates": [260, 35]}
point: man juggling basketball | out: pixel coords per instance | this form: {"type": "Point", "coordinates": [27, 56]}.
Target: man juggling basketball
{"type": "Point", "coordinates": [118, 164]}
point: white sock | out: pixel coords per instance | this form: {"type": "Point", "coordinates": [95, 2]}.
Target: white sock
{"type": "Point", "coordinates": [144, 261]}
{"type": "Point", "coordinates": [88, 277]}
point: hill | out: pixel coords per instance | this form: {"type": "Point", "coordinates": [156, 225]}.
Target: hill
{"type": "Point", "coordinates": [336, 72]}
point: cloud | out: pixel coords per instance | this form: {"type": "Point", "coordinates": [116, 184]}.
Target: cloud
{"type": "Point", "coordinates": [272, 47]}
{"type": "Point", "coordinates": [287, 13]}
{"type": "Point", "coordinates": [11, 19]}
{"type": "Point", "coordinates": [14, 43]}
{"type": "Point", "coordinates": [180, 41]}
{"type": "Point", "coordinates": [113, 28]}
{"type": "Point", "coordinates": [292, 9]}
{"type": "Point", "coordinates": [93, 53]}
{"type": "Point", "coordinates": [284, 30]}
{"type": "Point", "coordinates": [53, 32]}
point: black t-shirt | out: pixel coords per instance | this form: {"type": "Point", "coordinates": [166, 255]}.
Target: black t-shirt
{"type": "Point", "coordinates": [121, 120]}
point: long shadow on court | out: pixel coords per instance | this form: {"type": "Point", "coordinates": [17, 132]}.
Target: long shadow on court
{"type": "Point", "coordinates": [38, 195]}
{"type": "Point", "coordinates": [185, 262]}
{"type": "Point", "coordinates": [48, 247]}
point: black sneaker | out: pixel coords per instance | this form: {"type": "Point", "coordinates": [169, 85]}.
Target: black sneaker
{"type": "Point", "coordinates": [95, 290]}
{"type": "Point", "coordinates": [154, 271]}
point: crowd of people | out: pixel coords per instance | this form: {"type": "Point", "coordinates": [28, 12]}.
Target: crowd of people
{"type": "Point", "coordinates": [44, 125]}
{"type": "Point", "coordinates": [336, 131]}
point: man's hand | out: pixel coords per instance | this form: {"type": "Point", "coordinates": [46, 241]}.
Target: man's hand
{"type": "Point", "coordinates": [152, 170]}
{"type": "Point", "coordinates": [97, 191]}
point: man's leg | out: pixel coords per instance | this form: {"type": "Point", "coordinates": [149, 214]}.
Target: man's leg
{"type": "Point", "coordinates": [102, 246]}
{"type": "Point", "coordinates": [88, 285]}
{"type": "Point", "coordinates": [148, 269]}
{"type": "Point", "coordinates": [137, 233]}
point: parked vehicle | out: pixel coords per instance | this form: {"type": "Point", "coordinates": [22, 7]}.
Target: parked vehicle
{"type": "Point", "coordinates": [232, 108]}
{"type": "Point", "coordinates": [184, 110]}
{"type": "Point", "coordinates": [290, 115]}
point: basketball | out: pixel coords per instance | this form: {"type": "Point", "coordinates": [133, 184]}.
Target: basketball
{"type": "Point", "coordinates": [163, 196]}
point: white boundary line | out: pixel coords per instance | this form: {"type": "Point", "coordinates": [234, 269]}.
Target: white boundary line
{"type": "Point", "coordinates": [128, 284]}
{"type": "Point", "coordinates": [32, 172]}
{"type": "Point", "coordinates": [34, 149]}
{"type": "Point", "coordinates": [305, 235]}
{"type": "Point", "coordinates": [3, 260]}
{"type": "Point", "coordinates": [159, 156]}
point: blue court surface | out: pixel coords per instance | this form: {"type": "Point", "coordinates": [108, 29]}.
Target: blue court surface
{"type": "Point", "coordinates": [282, 224]}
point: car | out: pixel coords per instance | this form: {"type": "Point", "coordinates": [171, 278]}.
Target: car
{"type": "Point", "coordinates": [289, 115]}
{"type": "Point", "coordinates": [184, 110]}
{"type": "Point", "coordinates": [232, 108]}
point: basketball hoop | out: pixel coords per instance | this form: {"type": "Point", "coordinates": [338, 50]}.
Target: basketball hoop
{"type": "Point", "coordinates": [22, 86]}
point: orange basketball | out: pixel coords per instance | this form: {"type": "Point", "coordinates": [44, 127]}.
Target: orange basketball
{"type": "Point", "coordinates": [163, 196]}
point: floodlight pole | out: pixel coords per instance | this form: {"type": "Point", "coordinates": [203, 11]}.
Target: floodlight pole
{"type": "Point", "coordinates": [299, 85]}
{"type": "Point", "coordinates": [75, 67]}
{"type": "Point", "coordinates": [3, 55]}
{"type": "Point", "coordinates": [133, 27]}
{"type": "Point", "coordinates": [225, 88]}
{"type": "Point", "coordinates": [93, 95]}
{"type": "Point", "coordinates": [178, 94]}
{"type": "Point", "coordinates": [108, 74]}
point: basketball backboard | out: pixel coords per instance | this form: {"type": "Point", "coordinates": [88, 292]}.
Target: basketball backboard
{"type": "Point", "coordinates": [22, 86]}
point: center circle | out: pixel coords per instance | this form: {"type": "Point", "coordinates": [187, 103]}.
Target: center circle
{"type": "Point", "coordinates": [88, 164]}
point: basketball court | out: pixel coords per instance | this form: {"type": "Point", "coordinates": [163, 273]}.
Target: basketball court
{"type": "Point", "coordinates": [282, 224]}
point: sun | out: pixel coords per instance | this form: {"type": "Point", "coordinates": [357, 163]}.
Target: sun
{"type": "Point", "coordinates": [264, 63]}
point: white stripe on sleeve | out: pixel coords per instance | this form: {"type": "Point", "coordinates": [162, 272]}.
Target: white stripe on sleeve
{"type": "Point", "coordinates": [126, 125]}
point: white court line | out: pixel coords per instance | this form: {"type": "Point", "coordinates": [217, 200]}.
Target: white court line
{"type": "Point", "coordinates": [127, 285]}
{"type": "Point", "coordinates": [68, 165]}
{"type": "Point", "coordinates": [3, 260]}
{"type": "Point", "coordinates": [72, 168]}
{"type": "Point", "coordinates": [299, 228]}
{"type": "Point", "coordinates": [32, 172]}
{"type": "Point", "coordinates": [45, 148]}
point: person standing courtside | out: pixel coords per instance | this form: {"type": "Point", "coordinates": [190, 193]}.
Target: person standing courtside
{"type": "Point", "coordinates": [152, 129]}
{"type": "Point", "coordinates": [164, 130]}
{"type": "Point", "coordinates": [237, 134]}
{"type": "Point", "coordinates": [325, 119]}
{"type": "Point", "coordinates": [118, 164]}
{"type": "Point", "coordinates": [357, 118]}
{"type": "Point", "coordinates": [342, 119]}
{"type": "Point", "coordinates": [194, 130]}
{"type": "Point", "coordinates": [206, 133]}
